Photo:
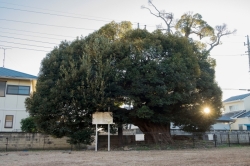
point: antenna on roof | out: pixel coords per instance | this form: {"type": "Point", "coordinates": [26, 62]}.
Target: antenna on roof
{"type": "Point", "coordinates": [4, 54]}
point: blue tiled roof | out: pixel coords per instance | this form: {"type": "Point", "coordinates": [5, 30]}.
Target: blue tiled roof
{"type": "Point", "coordinates": [247, 114]}
{"type": "Point", "coordinates": [4, 72]}
{"type": "Point", "coordinates": [238, 113]}
{"type": "Point", "coordinates": [231, 116]}
{"type": "Point", "coordinates": [225, 118]}
{"type": "Point", "coordinates": [239, 97]}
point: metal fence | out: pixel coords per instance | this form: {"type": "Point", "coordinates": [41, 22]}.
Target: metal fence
{"type": "Point", "coordinates": [184, 140]}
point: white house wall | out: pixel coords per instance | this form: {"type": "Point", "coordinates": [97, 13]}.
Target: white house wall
{"type": "Point", "coordinates": [240, 121]}
{"type": "Point", "coordinates": [221, 126]}
{"type": "Point", "coordinates": [18, 116]}
{"type": "Point", "coordinates": [14, 105]}
{"type": "Point", "coordinates": [240, 105]}
{"type": "Point", "coordinates": [247, 103]}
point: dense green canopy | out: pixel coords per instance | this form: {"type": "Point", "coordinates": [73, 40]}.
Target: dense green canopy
{"type": "Point", "coordinates": [165, 77]}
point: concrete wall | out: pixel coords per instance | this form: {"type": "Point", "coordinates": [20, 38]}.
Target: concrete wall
{"type": "Point", "coordinates": [27, 141]}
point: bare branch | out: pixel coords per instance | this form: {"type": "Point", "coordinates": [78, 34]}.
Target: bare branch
{"type": "Point", "coordinates": [152, 12]}
{"type": "Point", "coordinates": [166, 17]}
{"type": "Point", "coordinates": [221, 30]}
{"type": "Point", "coordinates": [150, 2]}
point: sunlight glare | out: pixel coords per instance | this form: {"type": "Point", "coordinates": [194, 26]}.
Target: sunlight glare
{"type": "Point", "coordinates": [206, 110]}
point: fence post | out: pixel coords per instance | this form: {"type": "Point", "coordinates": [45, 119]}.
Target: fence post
{"type": "Point", "coordinates": [6, 144]}
{"type": "Point", "coordinates": [228, 140]}
{"type": "Point", "coordinates": [161, 138]}
{"type": "Point", "coordinates": [43, 142]}
{"type": "Point", "coordinates": [238, 138]}
{"type": "Point", "coordinates": [248, 138]}
{"type": "Point", "coordinates": [193, 141]}
{"type": "Point", "coordinates": [215, 139]}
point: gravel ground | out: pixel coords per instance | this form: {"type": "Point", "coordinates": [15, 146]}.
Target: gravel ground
{"type": "Point", "coordinates": [216, 156]}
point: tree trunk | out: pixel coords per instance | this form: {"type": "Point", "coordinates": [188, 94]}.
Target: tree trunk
{"type": "Point", "coordinates": [120, 135]}
{"type": "Point", "coordinates": [154, 132]}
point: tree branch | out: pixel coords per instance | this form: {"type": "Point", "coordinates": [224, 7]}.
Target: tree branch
{"type": "Point", "coordinates": [221, 31]}
{"type": "Point", "coordinates": [167, 20]}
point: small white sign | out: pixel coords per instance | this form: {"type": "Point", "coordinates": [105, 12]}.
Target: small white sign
{"type": "Point", "coordinates": [102, 118]}
{"type": "Point", "coordinates": [210, 137]}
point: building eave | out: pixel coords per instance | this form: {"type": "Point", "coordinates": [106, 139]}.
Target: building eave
{"type": "Point", "coordinates": [17, 78]}
{"type": "Point", "coordinates": [228, 102]}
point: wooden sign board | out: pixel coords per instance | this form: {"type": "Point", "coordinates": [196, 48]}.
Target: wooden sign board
{"type": "Point", "coordinates": [102, 118]}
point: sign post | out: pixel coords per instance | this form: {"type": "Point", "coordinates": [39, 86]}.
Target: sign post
{"type": "Point", "coordinates": [96, 137]}
{"type": "Point", "coordinates": [108, 137]}
{"type": "Point", "coordinates": [102, 118]}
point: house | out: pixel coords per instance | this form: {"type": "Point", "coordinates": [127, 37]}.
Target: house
{"type": "Point", "coordinates": [224, 122]}
{"type": "Point", "coordinates": [15, 87]}
{"type": "Point", "coordinates": [237, 112]}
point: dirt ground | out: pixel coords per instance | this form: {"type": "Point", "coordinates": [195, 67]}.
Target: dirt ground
{"type": "Point", "coordinates": [216, 156]}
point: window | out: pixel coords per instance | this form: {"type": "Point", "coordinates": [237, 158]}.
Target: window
{"type": "Point", "coordinates": [8, 121]}
{"type": "Point", "coordinates": [18, 90]}
{"type": "Point", "coordinates": [2, 88]}
{"type": "Point", "coordinates": [240, 127]}
{"type": "Point", "coordinates": [234, 108]}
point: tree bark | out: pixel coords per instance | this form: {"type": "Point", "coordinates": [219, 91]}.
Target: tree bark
{"type": "Point", "coordinates": [154, 132]}
{"type": "Point", "coordinates": [120, 135]}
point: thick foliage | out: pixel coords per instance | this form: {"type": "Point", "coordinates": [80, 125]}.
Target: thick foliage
{"type": "Point", "coordinates": [28, 125]}
{"type": "Point", "coordinates": [75, 80]}
{"type": "Point", "coordinates": [169, 80]}
{"type": "Point", "coordinates": [165, 77]}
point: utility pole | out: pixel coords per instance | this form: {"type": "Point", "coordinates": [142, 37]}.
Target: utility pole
{"type": "Point", "coordinates": [248, 50]}
{"type": "Point", "coordinates": [4, 54]}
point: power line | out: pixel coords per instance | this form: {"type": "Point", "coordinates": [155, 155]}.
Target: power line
{"type": "Point", "coordinates": [28, 40]}
{"type": "Point", "coordinates": [231, 55]}
{"type": "Point", "coordinates": [44, 24]}
{"type": "Point", "coordinates": [23, 48]}
{"type": "Point", "coordinates": [60, 15]}
{"type": "Point", "coordinates": [52, 48]}
{"type": "Point", "coordinates": [31, 35]}
{"type": "Point", "coordinates": [58, 11]}
{"type": "Point", "coordinates": [25, 44]}
{"type": "Point", "coordinates": [106, 19]}
{"type": "Point", "coordinates": [47, 9]}
{"type": "Point", "coordinates": [57, 44]}
{"type": "Point", "coordinates": [34, 32]}
{"type": "Point", "coordinates": [230, 42]}
{"type": "Point", "coordinates": [235, 89]}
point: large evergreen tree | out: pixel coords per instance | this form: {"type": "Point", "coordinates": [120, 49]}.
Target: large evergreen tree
{"type": "Point", "coordinates": [166, 78]}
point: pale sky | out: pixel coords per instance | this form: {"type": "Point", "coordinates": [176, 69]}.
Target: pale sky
{"type": "Point", "coordinates": [36, 24]}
